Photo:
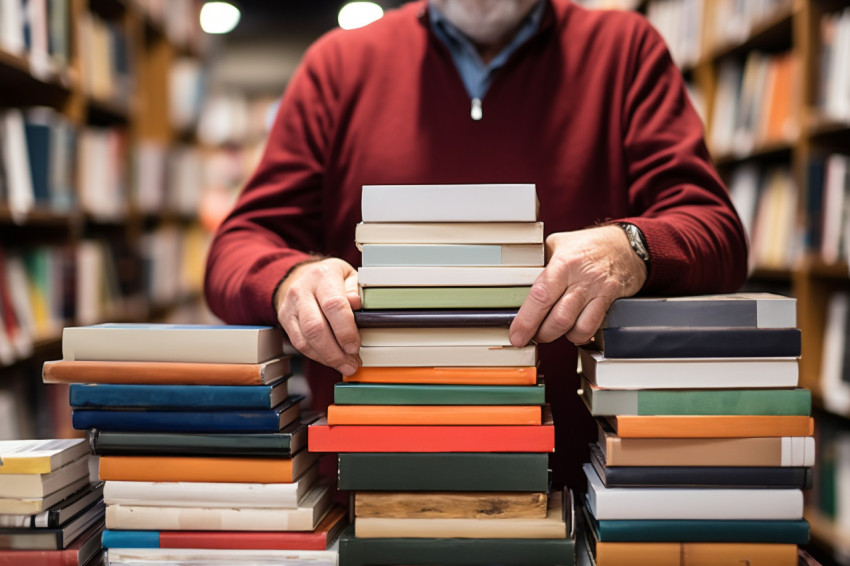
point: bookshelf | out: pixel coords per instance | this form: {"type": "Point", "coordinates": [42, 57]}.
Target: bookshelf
{"type": "Point", "coordinates": [104, 96]}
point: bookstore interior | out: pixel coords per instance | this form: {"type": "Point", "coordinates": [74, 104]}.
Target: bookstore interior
{"type": "Point", "coordinates": [137, 428]}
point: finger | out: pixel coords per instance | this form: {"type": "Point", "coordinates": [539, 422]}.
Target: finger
{"type": "Point", "coordinates": [337, 311]}
{"type": "Point", "coordinates": [321, 341]}
{"type": "Point", "coordinates": [546, 290]}
{"type": "Point", "coordinates": [352, 292]}
{"type": "Point", "coordinates": [562, 316]}
{"type": "Point", "coordinates": [588, 321]}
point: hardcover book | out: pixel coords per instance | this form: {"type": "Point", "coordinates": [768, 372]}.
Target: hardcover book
{"type": "Point", "coordinates": [443, 297]}
{"type": "Point", "coordinates": [448, 233]}
{"type": "Point", "coordinates": [39, 456]}
{"type": "Point", "coordinates": [455, 356]}
{"type": "Point", "coordinates": [481, 375]}
{"type": "Point", "coordinates": [414, 394]}
{"type": "Point", "coordinates": [434, 318]}
{"type": "Point", "coordinates": [176, 397]}
{"type": "Point", "coordinates": [78, 553]}
{"type": "Point", "coordinates": [434, 336]}
{"type": "Point", "coordinates": [711, 426]}
{"type": "Point", "coordinates": [172, 343]}
{"type": "Point", "coordinates": [484, 255]}
{"type": "Point", "coordinates": [450, 505]}
{"type": "Point", "coordinates": [56, 538]}
{"type": "Point", "coordinates": [452, 276]}
{"type": "Point", "coordinates": [216, 556]}
{"type": "Point", "coordinates": [433, 415]}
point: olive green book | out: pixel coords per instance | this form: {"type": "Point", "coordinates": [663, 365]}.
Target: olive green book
{"type": "Point", "coordinates": [442, 297]}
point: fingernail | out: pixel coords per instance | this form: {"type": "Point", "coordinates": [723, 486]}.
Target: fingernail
{"type": "Point", "coordinates": [351, 348]}
{"type": "Point", "coordinates": [347, 369]}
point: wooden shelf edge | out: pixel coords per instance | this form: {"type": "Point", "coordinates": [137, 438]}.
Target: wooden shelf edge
{"type": "Point", "coordinates": [758, 31]}
{"type": "Point", "coordinates": [760, 151]}
{"type": "Point", "coordinates": [58, 78]}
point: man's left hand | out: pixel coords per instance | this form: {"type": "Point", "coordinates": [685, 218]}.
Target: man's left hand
{"type": "Point", "coordinates": [586, 270]}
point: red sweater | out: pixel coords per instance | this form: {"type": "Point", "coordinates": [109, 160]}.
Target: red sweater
{"type": "Point", "coordinates": [591, 109]}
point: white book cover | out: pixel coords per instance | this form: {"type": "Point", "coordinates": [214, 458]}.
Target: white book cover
{"type": "Point", "coordinates": [425, 336]}
{"type": "Point", "coordinates": [40, 485]}
{"type": "Point", "coordinates": [208, 494]}
{"type": "Point", "coordinates": [215, 557]}
{"type": "Point", "coordinates": [449, 203]}
{"type": "Point", "coordinates": [172, 343]}
{"type": "Point", "coordinates": [462, 255]}
{"type": "Point", "coordinates": [448, 233]}
{"type": "Point", "coordinates": [162, 518]}
{"type": "Point", "coordinates": [643, 503]}
{"type": "Point", "coordinates": [688, 373]}
{"type": "Point", "coordinates": [447, 276]}
{"type": "Point", "coordinates": [21, 196]}
{"type": "Point", "coordinates": [459, 356]}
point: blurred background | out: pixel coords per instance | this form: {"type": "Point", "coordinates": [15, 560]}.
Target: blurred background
{"type": "Point", "coordinates": [128, 127]}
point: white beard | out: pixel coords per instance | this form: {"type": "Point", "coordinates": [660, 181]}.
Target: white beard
{"type": "Point", "coordinates": [485, 22]}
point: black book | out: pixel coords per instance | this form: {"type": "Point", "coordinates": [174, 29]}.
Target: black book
{"type": "Point", "coordinates": [434, 318]}
{"type": "Point", "coordinates": [56, 538]}
{"type": "Point", "coordinates": [667, 342]}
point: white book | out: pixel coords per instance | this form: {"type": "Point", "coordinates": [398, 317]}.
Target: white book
{"type": "Point", "coordinates": [12, 26]}
{"type": "Point", "coordinates": [466, 255]}
{"type": "Point", "coordinates": [171, 518]}
{"type": "Point", "coordinates": [40, 485]}
{"type": "Point", "coordinates": [457, 356]}
{"type": "Point", "coordinates": [835, 391]}
{"type": "Point", "coordinates": [449, 203]}
{"type": "Point", "coordinates": [688, 373]}
{"type": "Point", "coordinates": [208, 494]}
{"type": "Point", "coordinates": [20, 193]}
{"type": "Point", "coordinates": [833, 206]}
{"type": "Point", "coordinates": [448, 233]}
{"type": "Point", "coordinates": [33, 505]}
{"type": "Point", "coordinates": [447, 276]}
{"type": "Point", "coordinates": [172, 343]}
{"type": "Point", "coordinates": [215, 557]}
{"type": "Point", "coordinates": [644, 503]}
{"type": "Point", "coordinates": [39, 456]}
{"type": "Point", "coordinates": [425, 336]}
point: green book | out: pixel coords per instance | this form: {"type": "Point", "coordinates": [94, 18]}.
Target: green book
{"type": "Point", "coordinates": [415, 394]}
{"type": "Point", "coordinates": [444, 472]}
{"type": "Point", "coordinates": [442, 297]}
{"type": "Point", "coordinates": [788, 532]}
{"type": "Point", "coordinates": [455, 551]}
{"type": "Point", "coordinates": [604, 402]}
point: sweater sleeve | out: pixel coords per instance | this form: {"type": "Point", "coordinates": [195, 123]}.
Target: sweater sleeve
{"type": "Point", "coordinates": [696, 240]}
{"type": "Point", "coordinates": [275, 223]}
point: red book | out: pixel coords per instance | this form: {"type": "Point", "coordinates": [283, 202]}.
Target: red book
{"type": "Point", "coordinates": [78, 552]}
{"type": "Point", "coordinates": [322, 437]}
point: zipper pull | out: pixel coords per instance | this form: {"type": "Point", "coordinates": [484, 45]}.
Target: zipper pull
{"type": "Point", "coordinates": [476, 113]}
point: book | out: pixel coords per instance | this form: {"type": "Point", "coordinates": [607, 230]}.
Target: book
{"type": "Point", "coordinates": [205, 469]}
{"type": "Point", "coordinates": [39, 456]}
{"type": "Point", "coordinates": [711, 426]}
{"type": "Point", "coordinates": [457, 356]}
{"type": "Point", "coordinates": [32, 505]}
{"type": "Point", "coordinates": [688, 373]}
{"type": "Point", "coordinates": [445, 375]}
{"type": "Point", "coordinates": [450, 505]}
{"type": "Point", "coordinates": [484, 255]}
{"type": "Point", "coordinates": [414, 394]}
{"type": "Point", "coordinates": [59, 513]}
{"type": "Point", "coordinates": [449, 203]}
{"type": "Point", "coordinates": [226, 344]}
{"type": "Point", "coordinates": [790, 451]}
{"type": "Point", "coordinates": [288, 441]}
{"type": "Point", "coordinates": [325, 534]}
{"type": "Point", "coordinates": [162, 518]}
{"type": "Point", "coordinates": [478, 471]}
{"type": "Point", "coordinates": [434, 318]}
{"type": "Point", "coordinates": [39, 485]}
{"type": "Point", "coordinates": [442, 297]}
{"type": "Point", "coordinates": [554, 526]}
{"type": "Point", "coordinates": [748, 310]}
{"type": "Point", "coordinates": [665, 342]}
{"type": "Point", "coordinates": [433, 415]}
{"type": "Point", "coordinates": [207, 397]}
{"type": "Point", "coordinates": [447, 337]}
{"type": "Point", "coordinates": [211, 494]}
{"type": "Point", "coordinates": [356, 551]}
{"type": "Point", "coordinates": [448, 233]}
{"type": "Point", "coordinates": [165, 373]}
{"type": "Point", "coordinates": [78, 553]}
{"type": "Point", "coordinates": [56, 538]}
{"type": "Point", "coordinates": [452, 276]}
{"type": "Point", "coordinates": [434, 438]}
{"type": "Point", "coordinates": [216, 556]}
{"type": "Point", "coordinates": [699, 476]}
{"type": "Point", "coordinates": [642, 503]}
{"type": "Point", "coordinates": [151, 420]}
{"type": "Point", "coordinates": [600, 401]}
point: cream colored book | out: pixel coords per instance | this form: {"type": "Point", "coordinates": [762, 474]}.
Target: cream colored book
{"type": "Point", "coordinates": [171, 518]}
{"type": "Point", "coordinates": [40, 485]}
{"type": "Point", "coordinates": [553, 526]}
{"type": "Point", "coordinates": [485, 255]}
{"type": "Point", "coordinates": [39, 456]}
{"type": "Point", "coordinates": [33, 505]}
{"type": "Point", "coordinates": [460, 356]}
{"type": "Point", "coordinates": [448, 233]}
{"type": "Point", "coordinates": [425, 336]}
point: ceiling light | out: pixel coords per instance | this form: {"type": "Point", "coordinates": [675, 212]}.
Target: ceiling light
{"type": "Point", "coordinates": [358, 14]}
{"type": "Point", "coordinates": [219, 17]}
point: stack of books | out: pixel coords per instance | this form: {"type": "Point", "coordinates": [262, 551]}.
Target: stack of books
{"type": "Point", "coordinates": [443, 434]}
{"type": "Point", "coordinates": [50, 513]}
{"type": "Point", "coordinates": [705, 442]}
{"type": "Point", "coordinates": [201, 448]}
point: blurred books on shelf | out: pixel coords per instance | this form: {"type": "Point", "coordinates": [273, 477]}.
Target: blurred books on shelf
{"type": "Point", "coordinates": [680, 24]}
{"type": "Point", "coordinates": [834, 84]}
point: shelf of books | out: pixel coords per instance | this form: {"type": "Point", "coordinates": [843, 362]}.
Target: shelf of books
{"type": "Point", "coordinates": [101, 179]}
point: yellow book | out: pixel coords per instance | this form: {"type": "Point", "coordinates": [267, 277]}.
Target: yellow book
{"type": "Point", "coordinates": [39, 456]}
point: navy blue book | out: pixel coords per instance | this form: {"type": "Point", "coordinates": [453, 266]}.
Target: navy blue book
{"type": "Point", "coordinates": [653, 342]}
{"type": "Point", "coordinates": [209, 397]}
{"type": "Point", "coordinates": [142, 420]}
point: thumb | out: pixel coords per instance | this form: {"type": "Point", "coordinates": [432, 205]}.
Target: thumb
{"type": "Point", "coordinates": [352, 293]}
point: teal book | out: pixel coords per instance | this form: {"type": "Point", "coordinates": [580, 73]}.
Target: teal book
{"type": "Point", "coordinates": [177, 397]}
{"type": "Point", "coordinates": [413, 394]}
{"type": "Point", "coordinates": [788, 532]}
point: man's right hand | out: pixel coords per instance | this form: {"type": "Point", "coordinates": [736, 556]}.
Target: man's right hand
{"type": "Point", "coordinates": [315, 308]}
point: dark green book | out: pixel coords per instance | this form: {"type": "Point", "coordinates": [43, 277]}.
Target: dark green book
{"type": "Point", "coordinates": [406, 394]}
{"type": "Point", "coordinates": [444, 472]}
{"type": "Point", "coordinates": [289, 440]}
{"type": "Point", "coordinates": [455, 551]}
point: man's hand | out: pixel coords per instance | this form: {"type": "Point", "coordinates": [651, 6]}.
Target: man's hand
{"type": "Point", "coordinates": [586, 270]}
{"type": "Point", "coordinates": [314, 305]}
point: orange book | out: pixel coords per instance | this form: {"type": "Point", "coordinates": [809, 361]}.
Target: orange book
{"type": "Point", "coordinates": [711, 426]}
{"type": "Point", "coordinates": [446, 375]}
{"type": "Point", "coordinates": [205, 469]}
{"type": "Point", "coordinates": [694, 554]}
{"type": "Point", "coordinates": [434, 415]}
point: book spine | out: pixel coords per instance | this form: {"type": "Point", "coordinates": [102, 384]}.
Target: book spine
{"type": "Point", "coordinates": [670, 554]}
{"type": "Point", "coordinates": [699, 343]}
{"type": "Point", "coordinates": [105, 443]}
{"type": "Point", "coordinates": [793, 532]}
{"type": "Point", "coordinates": [433, 415]}
{"type": "Point", "coordinates": [434, 318]}
{"type": "Point", "coordinates": [443, 297]}
{"type": "Point", "coordinates": [713, 426]}
{"type": "Point", "coordinates": [162, 373]}
{"type": "Point", "coordinates": [409, 394]}
{"type": "Point", "coordinates": [196, 469]}
{"type": "Point", "coordinates": [168, 421]}
{"type": "Point", "coordinates": [446, 375]}
{"type": "Point", "coordinates": [171, 396]}
{"type": "Point", "coordinates": [430, 356]}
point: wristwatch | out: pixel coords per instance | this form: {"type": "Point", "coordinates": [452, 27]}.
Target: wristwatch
{"type": "Point", "coordinates": [637, 241]}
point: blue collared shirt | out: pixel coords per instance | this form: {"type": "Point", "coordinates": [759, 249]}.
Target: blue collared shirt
{"type": "Point", "coordinates": [476, 75]}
